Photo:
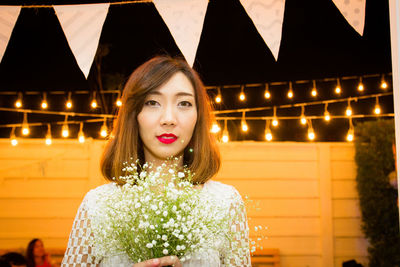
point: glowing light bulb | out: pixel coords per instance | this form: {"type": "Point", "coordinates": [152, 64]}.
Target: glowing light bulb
{"type": "Point", "coordinates": [338, 88]}
{"type": "Point", "coordinates": [245, 128]}
{"type": "Point", "coordinates": [218, 99]}
{"type": "Point", "coordinates": [81, 135]}
{"type": "Point", "coordinates": [350, 135]}
{"type": "Point", "coordinates": [290, 94]}
{"type": "Point", "coordinates": [44, 104]}
{"type": "Point", "coordinates": [311, 134]}
{"type": "Point", "coordinates": [25, 125]}
{"type": "Point", "coordinates": [267, 94]}
{"type": "Point", "coordinates": [25, 131]}
{"type": "Point", "coordinates": [14, 141]}
{"type": "Point", "coordinates": [275, 122]}
{"type": "Point", "coordinates": [48, 135]}
{"type": "Point", "coordinates": [377, 110]}
{"type": "Point", "coordinates": [303, 120]}
{"type": "Point", "coordinates": [68, 104]}
{"type": "Point", "coordinates": [327, 116]}
{"type": "Point", "coordinates": [118, 102]}
{"type": "Point", "coordinates": [360, 86]}
{"type": "Point", "coordinates": [314, 89]}
{"type": "Point", "coordinates": [314, 92]}
{"type": "Point", "coordinates": [94, 104]}
{"type": "Point", "coordinates": [215, 128]}
{"type": "Point", "coordinates": [104, 130]}
{"type": "Point", "coordinates": [384, 84]}
{"type": "Point", "coordinates": [48, 141]}
{"type": "Point", "coordinates": [225, 133]}
{"type": "Point", "coordinates": [18, 103]}
{"type": "Point", "coordinates": [13, 138]}
{"type": "Point", "coordinates": [349, 111]}
{"type": "Point", "coordinates": [242, 97]}
{"type": "Point", "coordinates": [268, 133]}
{"type": "Point", "coordinates": [65, 130]}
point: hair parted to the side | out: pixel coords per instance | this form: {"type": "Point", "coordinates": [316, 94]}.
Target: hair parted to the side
{"type": "Point", "coordinates": [201, 155]}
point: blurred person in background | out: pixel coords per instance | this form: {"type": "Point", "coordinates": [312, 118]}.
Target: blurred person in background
{"type": "Point", "coordinates": [13, 259]}
{"type": "Point", "coordinates": [36, 255]}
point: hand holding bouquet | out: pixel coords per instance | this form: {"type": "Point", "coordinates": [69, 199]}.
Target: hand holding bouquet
{"type": "Point", "coordinates": [157, 213]}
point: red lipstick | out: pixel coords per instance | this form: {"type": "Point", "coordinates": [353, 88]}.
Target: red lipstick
{"type": "Point", "coordinates": [167, 138]}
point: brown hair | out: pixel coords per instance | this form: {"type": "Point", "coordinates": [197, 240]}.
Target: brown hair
{"type": "Point", "coordinates": [201, 155]}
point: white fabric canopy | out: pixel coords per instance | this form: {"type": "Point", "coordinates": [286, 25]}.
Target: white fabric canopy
{"type": "Point", "coordinates": [185, 19]}
{"type": "Point", "coordinates": [354, 12]}
{"type": "Point", "coordinates": [8, 18]}
{"type": "Point", "coordinates": [82, 25]}
{"type": "Point", "coordinates": [267, 16]}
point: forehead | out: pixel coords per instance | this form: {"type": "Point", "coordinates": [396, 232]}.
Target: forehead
{"type": "Point", "coordinates": [177, 84]}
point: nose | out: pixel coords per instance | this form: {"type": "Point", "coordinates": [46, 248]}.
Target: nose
{"type": "Point", "coordinates": [168, 116]}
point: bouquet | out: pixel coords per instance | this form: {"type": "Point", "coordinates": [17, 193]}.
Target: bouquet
{"type": "Point", "coordinates": [157, 213]}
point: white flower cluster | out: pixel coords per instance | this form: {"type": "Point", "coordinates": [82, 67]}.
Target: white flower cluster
{"type": "Point", "coordinates": [157, 213]}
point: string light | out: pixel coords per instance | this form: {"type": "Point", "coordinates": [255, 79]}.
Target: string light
{"type": "Point", "coordinates": [314, 89]}
{"type": "Point", "coordinates": [215, 127]}
{"type": "Point", "coordinates": [81, 135]}
{"type": "Point", "coordinates": [13, 138]}
{"type": "Point", "coordinates": [104, 130]}
{"type": "Point", "coordinates": [303, 119]}
{"type": "Point", "coordinates": [349, 111]}
{"type": "Point", "coordinates": [225, 133]}
{"type": "Point", "coordinates": [65, 128]}
{"type": "Point", "coordinates": [242, 96]}
{"type": "Point", "coordinates": [377, 109]}
{"type": "Point", "coordinates": [118, 103]}
{"type": "Point", "coordinates": [68, 104]}
{"type": "Point", "coordinates": [290, 92]}
{"type": "Point", "coordinates": [18, 103]}
{"type": "Point", "coordinates": [93, 104]}
{"type": "Point", "coordinates": [327, 116]}
{"type": "Point", "coordinates": [218, 98]}
{"type": "Point", "coordinates": [25, 125]}
{"type": "Point", "coordinates": [44, 104]}
{"type": "Point", "coordinates": [360, 86]}
{"type": "Point", "coordinates": [268, 133]}
{"type": "Point", "coordinates": [275, 121]}
{"type": "Point", "coordinates": [311, 133]}
{"type": "Point", "coordinates": [267, 93]}
{"type": "Point", "coordinates": [48, 135]}
{"type": "Point", "coordinates": [350, 133]}
{"type": "Point", "coordinates": [384, 84]}
{"type": "Point", "coordinates": [338, 88]}
{"type": "Point", "coordinates": [245, 128]}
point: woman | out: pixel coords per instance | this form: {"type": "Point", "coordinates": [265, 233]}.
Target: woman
{"type": "Point", "coordinates": [36, 255]}
{"type": "Point", "coordinates": [165, 112]}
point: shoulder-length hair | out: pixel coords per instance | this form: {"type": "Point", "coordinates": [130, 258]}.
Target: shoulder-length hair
{"type": "Point", "coordinates": [201, 156]}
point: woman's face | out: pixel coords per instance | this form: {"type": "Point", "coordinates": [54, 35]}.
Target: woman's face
{"type": "Point", "coordinates": [167, 120]}
{"type": "Point", "coordinates": [38, 249]}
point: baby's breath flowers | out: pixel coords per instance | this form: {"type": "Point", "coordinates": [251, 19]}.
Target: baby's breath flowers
{"type": "Point", "coordinates": [158, 212]}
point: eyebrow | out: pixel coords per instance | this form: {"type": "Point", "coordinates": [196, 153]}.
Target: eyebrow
{"type": "Point", "coordinates": [178, 94]}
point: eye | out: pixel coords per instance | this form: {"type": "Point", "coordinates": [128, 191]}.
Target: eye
{"type": "Point", "coordinates": [151, 103]}
{"type": "Point", "coordinates": [185, 104]}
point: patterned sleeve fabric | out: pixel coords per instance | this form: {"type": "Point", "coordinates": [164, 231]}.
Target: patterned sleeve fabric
{"type": "Point", "coordinates": [79, 252]}
{"type": "Point", "coordinates": [239, 249]}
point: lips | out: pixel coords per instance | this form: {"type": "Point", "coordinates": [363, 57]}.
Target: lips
{"type": "Point", "coordinates": [167, 138]}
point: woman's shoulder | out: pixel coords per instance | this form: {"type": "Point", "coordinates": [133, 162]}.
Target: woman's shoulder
{"type": "Point", "coordinates": [94, 195]}
{"type": "Point", "coordinates": [221, 190]}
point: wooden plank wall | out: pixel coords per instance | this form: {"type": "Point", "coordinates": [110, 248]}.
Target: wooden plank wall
{"type": "Point", "coordinates": [303, 192]}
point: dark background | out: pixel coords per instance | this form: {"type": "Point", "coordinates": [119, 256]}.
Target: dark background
{"type": "Point", "coordinates": [317, 43]}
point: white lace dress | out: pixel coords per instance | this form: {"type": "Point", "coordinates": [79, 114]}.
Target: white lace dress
{"type": "Point", "coordinates": [79, 252]}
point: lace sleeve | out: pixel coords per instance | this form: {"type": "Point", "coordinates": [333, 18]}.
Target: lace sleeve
{"type": "Point", "coordinates": [79, 252]}
{"type": "Point", "coordinates": [239, 251]}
